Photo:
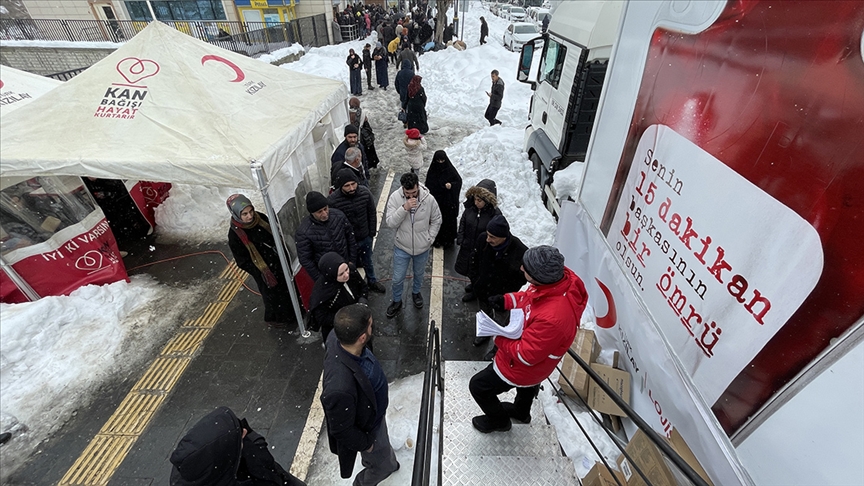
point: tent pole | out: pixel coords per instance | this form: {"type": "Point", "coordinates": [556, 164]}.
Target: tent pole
{"type": "Point", "coordinates": [261, 179]}
{"type": "Point", "coordinates": [152, 13]}
{"type": "Point", "coordinates": [19, 282]}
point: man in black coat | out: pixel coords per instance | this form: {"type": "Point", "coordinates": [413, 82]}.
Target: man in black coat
{"type": "Point", "coordinates": [353, 162]}
{"type": "Point", "coordinates": [323, 231]}
{"type": "Point", "coordinates": [352, 139]}
{"type": "Point", "coordinates": [354, 398]}
{"type": "Point", "coordinates": [496, 267]}
{"type": "Point", "coordinates": [357, 203]}
{"type": "Point", "coordinates": [403, 78]}
{"type": "Point", "coordinates": [222, 450]}
{"type": "Point", "coordinates": [495, 97]}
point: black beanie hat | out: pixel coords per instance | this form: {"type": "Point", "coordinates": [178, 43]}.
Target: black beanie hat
{"type": "Point", "coordinates": [498, 226]}
{"type": "Point", "coordinates": [544, 263]}
{"type": "Point", "coordinates": [343, 177]}
{"type": "Point", "coordinates": [349, 129]}
{"type": "Point", "coordinates": [315, 201]}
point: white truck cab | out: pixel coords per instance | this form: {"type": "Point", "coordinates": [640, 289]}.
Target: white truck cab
{"type": "Point", "coordinates": [567, 88]}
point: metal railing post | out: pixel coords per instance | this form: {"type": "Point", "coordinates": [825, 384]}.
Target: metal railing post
{"type": "Point", "coordinates": [263, 185]}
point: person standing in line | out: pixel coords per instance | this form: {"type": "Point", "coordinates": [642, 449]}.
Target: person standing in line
{"type": "Point", "coordinates": [339, 285]}
{"type": "Point", "coordinates": [250, 239]}
{"type": "Point", "coordinates": [367, 136]}
{"type": "Point", "coordinates": [496, 268]}
{"type": "Point", "coordinates": [414, 214]}
{"type": "Point", "coordinates": [367, 65]}
{"type": "Point", "coordinates": [355, 64]}
{"type": "Point", "coordinates": [416, 106]}
{"type": "Point", "coordinates": [380, 58]}
{"type": "Point", "coordinates": [407, 54]}
{"type": "Point", "coordinates": [484, 30]}
{"type": "Point", "coordinates": [355, 399]}
{"type": "Point", "coordinates": [323, 231]}
{"type": "Point", "coordinates": [415, 144]}
{"type": "Point", "coordinates": [481, 205]}
{"type": "Point", "coordinates": [445, 184]}
{"type": "Point", "coordinates": [495, 98]}
{"type": "Point", "coordinates": [403, 79]}
{"type": "Point", "coordinates": [352, 162]}
{"type": "Point", "coordinates": [553, 306]}
{"type": "Point", "coordinates": [357, 203]}
{"type": "Point", "coordinates": [352, 139]}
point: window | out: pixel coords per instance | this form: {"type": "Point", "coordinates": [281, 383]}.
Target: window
{"type": "Point", "coordinates": [525, 29]}
{"type": "Point", "coordinates": [177, 10]}
{"type": "Point", "coordinates": [553, 63]}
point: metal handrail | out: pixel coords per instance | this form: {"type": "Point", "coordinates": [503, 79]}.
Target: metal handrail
{"type": "Point", "coordinates": [653, 436]}
{"type": "Point", "coordinates": [432, 378]}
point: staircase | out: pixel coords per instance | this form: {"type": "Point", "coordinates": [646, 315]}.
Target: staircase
{"type": "Point", "coordinates": [528, 454]}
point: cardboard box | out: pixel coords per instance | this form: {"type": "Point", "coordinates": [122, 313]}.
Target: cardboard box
{"type": "Point", "coordinates": [618, 380]}
{"type": "Point", "coordinates": [585, 346]}
{"type": "Point", "coordinates": [659, 470]}
{"type": "Point", "coordinates": [600, 476]}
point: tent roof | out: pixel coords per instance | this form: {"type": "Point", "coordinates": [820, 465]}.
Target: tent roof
{"type": "Point", "coordinates": [171, 108]}
{"type": "Point", "coordinates": [18, 88]}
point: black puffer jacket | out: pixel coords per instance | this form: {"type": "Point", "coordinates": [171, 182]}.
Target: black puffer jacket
{"type": "Point", "coordinates": [474, 221]}
{"type": "Point", "coordinates": [315, 238]}
{"type": "Point", "coordinates": [359, 208]}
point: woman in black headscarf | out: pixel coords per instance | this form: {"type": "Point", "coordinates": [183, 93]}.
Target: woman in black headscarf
{"type": "Point", "coordinates": [251, 241]}
{"type": "Point", "coordinates": [445, 184]}
{"type": "Point", "coordinates": [339, 285]}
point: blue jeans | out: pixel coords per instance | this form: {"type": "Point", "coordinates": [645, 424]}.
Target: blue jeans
{"type": "Point", "coordinates": [364, 254]}
{"type": "Point", "coordinates": [400, 269]}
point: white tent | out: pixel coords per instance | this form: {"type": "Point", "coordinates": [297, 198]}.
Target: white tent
{"type": "Point", "coordinates": [167, 107]}
{"type": "Point", "coordinates": [18, 88]}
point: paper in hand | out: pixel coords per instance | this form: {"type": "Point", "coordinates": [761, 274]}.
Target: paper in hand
{"type": "Point", "coordinates": [488, 327]}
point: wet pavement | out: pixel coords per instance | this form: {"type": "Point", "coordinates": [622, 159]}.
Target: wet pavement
{"type": "Point", "coordinates": [268, 376]}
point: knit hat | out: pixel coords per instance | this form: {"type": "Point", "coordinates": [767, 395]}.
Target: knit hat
{"type": "Point", "coordinates": [315, 201]}
{"type": "Point", "coordinates": [350, 129]}
{"type": "Point", "coordinates": [236, 204]}
{"type": "Point", "coordinates": [544, 263]}
{"type": "Point", "coordinates": [498, 226]}
{"type": "Point", "coordinates": [343, 177]}
{"type": "Point", "coordinates": [413, 133]}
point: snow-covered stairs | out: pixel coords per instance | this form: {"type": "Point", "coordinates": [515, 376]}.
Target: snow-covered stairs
{"type": "Point", "coordinates": [526, 455]}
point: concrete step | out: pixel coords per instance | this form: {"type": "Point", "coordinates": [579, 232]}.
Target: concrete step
{"type": "Point", "coordinates": [459, 405]}
{"type": "Point", "coordinates": [515, 470]}
{"type": "Point", "coordinates": [461, 439]}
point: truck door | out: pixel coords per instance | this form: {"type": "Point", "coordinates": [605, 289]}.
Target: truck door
{"type": "Point", "coordinates": [553, 92]}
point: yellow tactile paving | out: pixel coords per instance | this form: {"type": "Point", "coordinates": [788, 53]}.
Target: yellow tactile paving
{"type": "Point", "coordinates": [106, 451]}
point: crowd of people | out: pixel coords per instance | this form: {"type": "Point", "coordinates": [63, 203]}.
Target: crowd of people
{"type": "Point", "coordinates": [336, 239]}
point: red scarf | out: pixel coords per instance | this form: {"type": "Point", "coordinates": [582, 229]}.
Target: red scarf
{"type": "Point", "coordinates": [259, 262]}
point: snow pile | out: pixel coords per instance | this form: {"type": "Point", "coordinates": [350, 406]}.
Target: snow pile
{"type": "Point", "coordinates": [198, 214]}
{"type": "Point", "coordinates": [282, 53]}
{"type": "Point", "coordinates": [56, 352]}
{"type": "Point", "coordinates": [568, 181]}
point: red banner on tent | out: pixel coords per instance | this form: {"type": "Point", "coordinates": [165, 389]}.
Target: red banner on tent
{"type": "Point", "coordinates": [82, 254]}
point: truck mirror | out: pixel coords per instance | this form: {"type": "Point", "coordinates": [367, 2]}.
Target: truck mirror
{"type": "Point", "coordinates": [525, 59]}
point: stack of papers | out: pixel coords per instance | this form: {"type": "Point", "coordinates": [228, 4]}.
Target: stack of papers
{"type": "Point", "coordinates": [488, 327]}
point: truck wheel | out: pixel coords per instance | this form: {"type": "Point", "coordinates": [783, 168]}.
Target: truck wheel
{"type": "Point", "coordinates": [536, 165]}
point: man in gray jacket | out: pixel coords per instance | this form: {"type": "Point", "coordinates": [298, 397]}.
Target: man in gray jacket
{"type": "Point", "coordinates": [414, 214]}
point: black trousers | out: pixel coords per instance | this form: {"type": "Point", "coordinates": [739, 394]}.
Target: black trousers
{"type": "Point", "coordinates": [490, 115]}
{"type": "Point", "coordinates": [485, 387]}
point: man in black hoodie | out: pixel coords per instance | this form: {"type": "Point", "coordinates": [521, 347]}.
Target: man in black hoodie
{"type": "Point", "coordinates": [222, 450]}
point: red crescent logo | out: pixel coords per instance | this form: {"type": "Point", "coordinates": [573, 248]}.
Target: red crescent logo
{"type": "Point", "coordinates": [239, 72]}
{"type": "Point", "coordinates": [611, 318]}
{"type": "Point", "coordinates": [1, 84]}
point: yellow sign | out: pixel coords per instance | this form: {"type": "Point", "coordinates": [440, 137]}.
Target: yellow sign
{"type": "Point", "coordinates": [259, 3]}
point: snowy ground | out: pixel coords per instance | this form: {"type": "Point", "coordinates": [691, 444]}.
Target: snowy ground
{"type": "Point", "coordinates": [48, 369]}
{"type": "Point", "coordinates": [55, 353]}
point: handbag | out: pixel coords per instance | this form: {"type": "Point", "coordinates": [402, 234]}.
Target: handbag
{"type": "Point", "coordinates": [402, 116]}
